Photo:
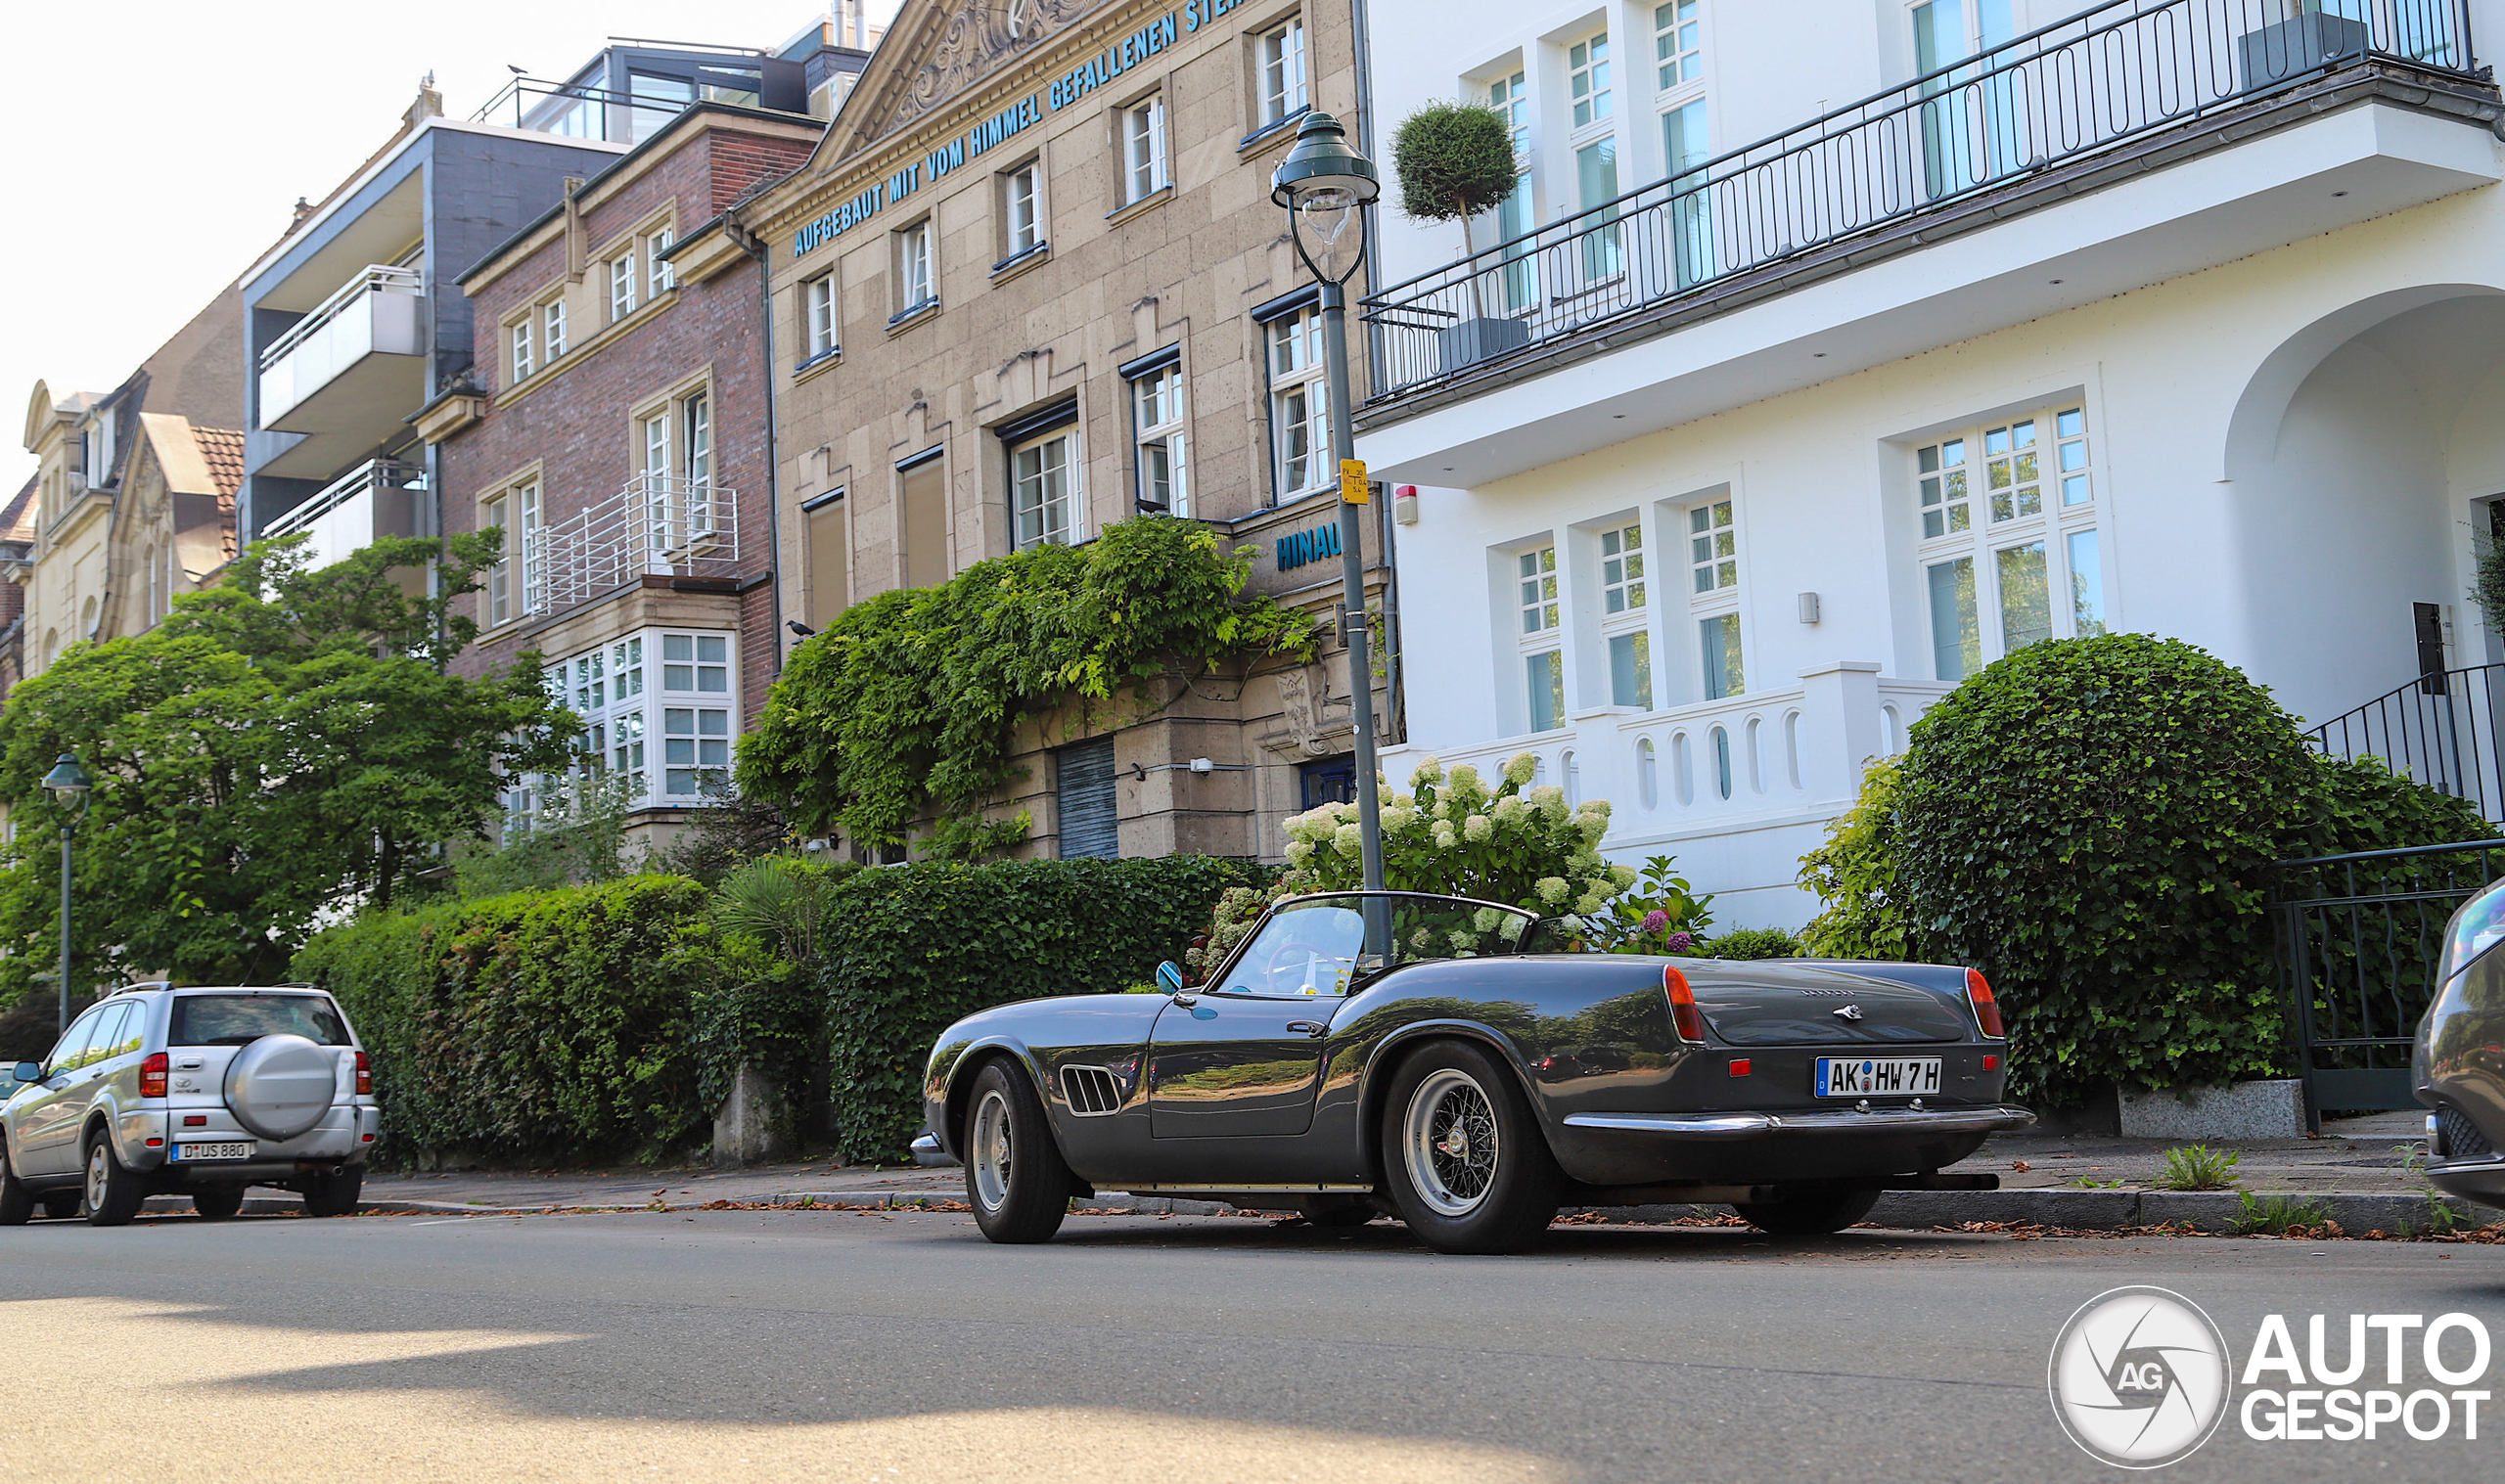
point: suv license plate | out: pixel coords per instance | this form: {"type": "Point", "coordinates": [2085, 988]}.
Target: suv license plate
{"type": "Point", "coordinates": [1876, 1077]}
{"type": "Point", "coordinates": [199, 1153]}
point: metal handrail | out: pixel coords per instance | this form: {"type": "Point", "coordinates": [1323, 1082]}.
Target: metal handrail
{"type": "Point", "coordinates": [2446, 729]}
{"type": "Point", "coordinates": [655, 524]}
{"type": "Point", "coordinates": [2065, 90]}
{"type": "Point", "coordinates": [377, 278]}
{"type": "Point", "coordinates": [381, 473]}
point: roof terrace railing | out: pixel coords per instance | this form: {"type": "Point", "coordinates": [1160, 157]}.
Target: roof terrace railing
{"type": "Point", "coordinates": [2080, 85]}
{"type": "Point", "coordinates": [375, 278]}
{"type": "Point", "coordinates": [375, 473]}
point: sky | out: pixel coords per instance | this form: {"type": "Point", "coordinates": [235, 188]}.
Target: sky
{"type": "Point", "coordinates": [157, 148]}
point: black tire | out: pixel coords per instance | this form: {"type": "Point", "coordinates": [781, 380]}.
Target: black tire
{"type": "Point", "coordinates": [111, 1192]}
{"type": "Point", "coordinates": [1463, 1157]}
{"type": "Point", "coordinates": [16, 1202]}
{"type": "Point", "coordinates": [1015, 1178]}
{"type": "Point", "coordinates": [1811, 1213]}
{"type": "Point", "coordinates": [60, 1205]}
{"type": "Point", "coordinates": [217, 1202]}
{"type": "Point", "coordinates": [333, 1195]}
{"type": "Point", "coordinates": [1338, 1213]}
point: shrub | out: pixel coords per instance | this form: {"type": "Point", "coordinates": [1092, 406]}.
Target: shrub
{"type": "Point", "coordinates": [1455, 162]}
{"type": "Point", "coordinates": [1854, 875]}
{"type": "Point", "coordinates": [760, 1003]}
{"type": "Point", "coordinates": [908, 949]}
{"type": "Point", "coordinates": [1455, 837]}
{"type": "Point", "coordinates": [1753, 943]}
{"type": "Point", "coordinates": [541, 1025]}
{"type": "Point", "coordinates": [1661, 915]}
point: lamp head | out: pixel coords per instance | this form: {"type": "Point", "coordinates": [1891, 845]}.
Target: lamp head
{"type": "Point", "coordinates": [67, 781]}
{"type": "Point", "coordinates": [1325, 184]}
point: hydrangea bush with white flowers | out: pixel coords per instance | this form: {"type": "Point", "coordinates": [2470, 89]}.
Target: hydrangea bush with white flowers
{"type": "Point", "coordinates": [1451, 833]}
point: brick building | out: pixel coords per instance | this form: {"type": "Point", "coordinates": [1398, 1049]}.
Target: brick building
{"type": "Point", "coordinates": [615, 428]}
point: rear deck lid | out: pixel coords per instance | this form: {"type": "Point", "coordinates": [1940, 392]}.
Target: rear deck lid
{"type": "Point", "coordinates": [1815, 1005]}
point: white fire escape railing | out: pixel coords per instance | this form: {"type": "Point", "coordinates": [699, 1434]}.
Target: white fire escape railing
{"type": "Point", "coordinates": [658, 525]}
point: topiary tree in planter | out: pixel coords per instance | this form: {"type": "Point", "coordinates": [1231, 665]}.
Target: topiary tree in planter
{"type": "Point", "coordinates": [1455, 162]}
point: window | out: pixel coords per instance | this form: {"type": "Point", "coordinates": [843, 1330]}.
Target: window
{"type": "Point", "coordinates": [829, 557]}
{"type": "Point", "coordinates": [515, 584]}
{"type": "Point", "coordinates": [519, 334]}
{"type": "Point", "coordinates": [1723, 675]}
{"type": "Point", "coordinates": [1537, 600]}
{"type": "Point", "coordinates": [1506, 96]}
{"type": "Point", "coordinates": [664, 277]}
{"type": "Point", "coordinates": [1587, 79]}
{"type": "Point", "coordinates": [1971, 124]}
{"type": "Point", "coordinates": [1518, 282]}
{"type": "Point", "coordinates": [1625, 619]}
{"type": "Point", "coordinates": [1044, 480]}
{"type": "Point", "coordinates": [689, 704]}
{"type": "Point", "coordinates": [1714, 595]}
{"type": "Point", "coordinates": [1712, 547]}
{"type": "Point", "coordinates": [155, 592]}
{"type": "Point", "coordinates": [817, 311]}
{"type": "Point", "coordinates": [1021, 210]}
{"type": "Point", "coordinates": [696, 750]}
{"type": "Point", "coordinates": [1144, 150]}
{"type": "Point", "coordinates": [1538, 573]}
{"type": "Point", "coordinates": [1281, 72]}
{"type": "Point", "coordinates": [2008, 520]}
{"type": "Point", "coordinates": [1596, 180]}
{"type": "Point", "coordinates": [96, 450]}
{"type": "Point", "coordinates": [1088, 821]}
{"type": "Point", "coordinates": [1299, 403]}
{"type": "Point", "coordinates": [924, 497]}
{"type": "Point", "coordinates": [551, 327]}
{"type": "Point", "coordinates": [492, 515]}
{"type": "Point", "coordinates": [1164, 459]}
{"type": "Point", "coordinates": [621, 285]}
{"type": "Point", "coordinates": [913, 266]}
{"type": "Point", "coordinates": [1677, 48]}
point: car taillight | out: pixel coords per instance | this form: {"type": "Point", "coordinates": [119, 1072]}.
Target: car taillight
{"type": "Point", "coordinates": [1684, 1015]}
{"type": "Point", "coordinates": [151, 1076]}
{"type": "Point", "coordinates": [364, 1076]}
{"type": "Point", "coordinates": [1987, 1009]}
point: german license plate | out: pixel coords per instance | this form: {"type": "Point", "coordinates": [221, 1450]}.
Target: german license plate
{"type": "Point", "coordinates": [202, 1153]}
{"type": "Point", "coordinates": [1877, 1076]}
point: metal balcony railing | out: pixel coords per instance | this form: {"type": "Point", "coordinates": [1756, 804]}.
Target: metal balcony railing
{"type": "Point", "coordinates": [377, 278]}
{"type": "Point", "coordinates": [657, 525]}
{"type": "Point", "coordinates": [582, 110]}
{"type": "Point", "coordinates": [2069, 89]}
{"type": "Point", "coordinates": [2441, 729]}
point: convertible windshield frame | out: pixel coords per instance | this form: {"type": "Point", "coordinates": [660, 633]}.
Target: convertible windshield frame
{"type": "Point", "coordinates": [1499, 946]}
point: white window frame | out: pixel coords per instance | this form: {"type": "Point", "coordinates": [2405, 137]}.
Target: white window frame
{"type": "Point", "coordinates": [1161, 438]}
{"type": "Point", "coordinates": [1144, 149]}
{"type": "Point", "coordinates": [1299, 404]}
{"type": "Point", "coordinates": [661, 277]}
{"type": "Point", "coordinates": [519, 341]}
{"type": "Point", "coordinates": [494, 514]}
{"type": "Point", "coordinates": [1282, 63]}
{"type": "Point", "coordinates": [551, 327]}
{"type": "Point", "coordinates": [1021, 217]}
{"type": "Point", "coordinates": [1591, 87]}
{"type": "Point", "coordinates": [917, 279]}
{"type": "Point", "coordinates": [621, 285]}
{"type": "Point", "coordinates": [817, 313]}
{"type": "Point", "coordinates": [1058, 517]}
{"type": "Point", "coordinates": [633, 708]}
{"type": "Point", "coordinates": [1712, 524]}
{"type": "Point", "coordinates": [1535, 583]}
{"type": "Point", "coordinates": [2006, 512]}
{"type": "Point", "coordinates": [1678, 46]}
{"type": "Point", "coordinates": [1624, 578]}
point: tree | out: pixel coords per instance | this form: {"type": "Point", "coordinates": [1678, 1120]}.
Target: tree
{"type": "Point", "coordinates": [283, 746]}
{"type": "Point", "coordinates": [1455, 160]}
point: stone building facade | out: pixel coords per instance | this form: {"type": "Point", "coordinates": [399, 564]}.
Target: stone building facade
{"type": "Point", "coordinates": [1032, 284]}
{"type": "Point", "coordinates": [615, 428]}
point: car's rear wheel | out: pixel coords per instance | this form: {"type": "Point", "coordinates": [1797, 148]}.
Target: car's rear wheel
{"type": "Point", "coordinates": [217, 1201]}
{"type": "Point", "coordinates": [112, 1192]}
{"type": "Point", "coordinates": [334, 1194]}
{"type": "Point", "coordinates": [1809, 1213]}
{"type": "Point", "coordinates": [1462, 1155]}
{"type": "Point", "coordinates": [1015, 1178]}
{"type": "Point", "coordinates": [16, 1202]}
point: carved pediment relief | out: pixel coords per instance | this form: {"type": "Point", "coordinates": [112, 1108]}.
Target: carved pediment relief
{"type": "Point", "coordinates": [952, 45]}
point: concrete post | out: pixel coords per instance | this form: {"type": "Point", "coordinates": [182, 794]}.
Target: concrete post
{"type": "Point", "coordinates": [1839, 727]}
{"type": "Point", "coordinates": [748, 1128]}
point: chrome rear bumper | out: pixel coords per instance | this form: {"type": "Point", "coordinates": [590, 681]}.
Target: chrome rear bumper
{"type": "Point", "coordinates": [928, 1153]}
{"type": "Point", "coordinates": [1716, 1127]}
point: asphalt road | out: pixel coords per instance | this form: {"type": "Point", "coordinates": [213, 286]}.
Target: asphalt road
{"type": "Point", "coordinates": [904, 1347]}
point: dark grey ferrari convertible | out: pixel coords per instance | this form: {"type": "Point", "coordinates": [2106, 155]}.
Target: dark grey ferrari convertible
{"type": "Point", "coordinates": [1389, 1052]}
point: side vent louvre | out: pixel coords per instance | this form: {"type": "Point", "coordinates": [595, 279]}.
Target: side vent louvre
{"type": "Point", "coordinates": [1090, 1091]}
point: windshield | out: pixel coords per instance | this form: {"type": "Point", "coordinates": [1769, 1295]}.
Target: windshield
{"type": "Point", "coordinates": [1325, 945]}
{"type": "Point", "coordinates": [233, 1020]}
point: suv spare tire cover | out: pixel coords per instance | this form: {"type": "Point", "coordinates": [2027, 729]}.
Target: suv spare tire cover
{"type": "Point", "coordinates": [281, 1085]}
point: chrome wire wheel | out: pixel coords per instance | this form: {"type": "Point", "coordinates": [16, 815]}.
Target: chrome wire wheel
{"type": "Point", "coordinates": [988, 1151]}
{"type": "Point", "coordinates": [1449, 1143]}
{"type": "Point", "coordinates": [98, 1171]}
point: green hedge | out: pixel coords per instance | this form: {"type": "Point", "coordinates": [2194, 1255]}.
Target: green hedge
{"type": "Point", "coordinates": [911, 948]}
{"type": "Point", "coordinates": [541, 1025]}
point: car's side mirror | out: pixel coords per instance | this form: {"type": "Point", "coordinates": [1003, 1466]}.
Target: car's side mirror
{"type": "Point", "coordinates": [1169, 977]}
{"type": "Point", "coordinates": [28, 1071]}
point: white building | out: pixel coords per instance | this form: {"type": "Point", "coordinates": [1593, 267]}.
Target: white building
{"type": "Point", "coordinates": [2179, 316]}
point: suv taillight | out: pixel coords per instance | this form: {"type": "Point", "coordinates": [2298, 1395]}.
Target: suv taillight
{"type": "Point", "coordinates": [1987, 1009]}
{"type": "Point", "coordinates": [1684, 1015]}
{"type": "Point", "coordinates": [364, 1076]}
{"type": "Point", "coordinates": [151, 1076]}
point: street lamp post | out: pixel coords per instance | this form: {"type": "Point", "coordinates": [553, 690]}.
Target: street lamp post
{"type": "Point", "coordinates": [70, 785]}
{"type": "Point", "coordinates": [1325, 187]}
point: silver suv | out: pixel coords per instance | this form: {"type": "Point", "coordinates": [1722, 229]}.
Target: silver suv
{"type": "Point", "coordinates": [195, 1092]}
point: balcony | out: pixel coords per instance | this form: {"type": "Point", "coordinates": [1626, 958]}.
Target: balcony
{"type": "Point", "coordinates": [657, 525]}
{"type": "Point", "coordinates": [348, 372]}
{"type": "Point", "coordinates": [2206, 130]}
{"type": "Point", "coordinates": [368, 503]}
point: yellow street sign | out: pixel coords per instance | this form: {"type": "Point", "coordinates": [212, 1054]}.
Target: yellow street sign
{"type": "Point", "coordinates": [1352, 481]}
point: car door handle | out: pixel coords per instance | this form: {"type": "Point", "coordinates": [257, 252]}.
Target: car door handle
{"type": "Point", "coordinates": [1186, 1000]}
{"type": "Point", "coordinates": [1310, 1028]}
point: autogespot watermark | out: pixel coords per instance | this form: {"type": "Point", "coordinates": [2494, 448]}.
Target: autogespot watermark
{"type": "Point", "coordinates": [2142, 1376]}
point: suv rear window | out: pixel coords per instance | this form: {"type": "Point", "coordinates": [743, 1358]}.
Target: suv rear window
{"type": "Point", "coordinates": [235, 1020]}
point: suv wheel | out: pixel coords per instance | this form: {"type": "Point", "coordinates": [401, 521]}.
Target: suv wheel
{"type": "Point", "coordinates": [333, 1195]}
{"type": "Point", "coordinates": [16, 1202]}
{"type": "Point", "coordinates": [112, 1192]}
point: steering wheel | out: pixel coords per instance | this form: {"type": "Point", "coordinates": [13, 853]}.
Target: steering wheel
{"type": "Point", "coordinates": [1299, 962]}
